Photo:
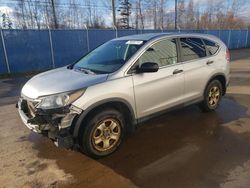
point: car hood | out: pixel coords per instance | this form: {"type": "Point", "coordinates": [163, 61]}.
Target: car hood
{"type": "Point", "coordinates": [59, 80]}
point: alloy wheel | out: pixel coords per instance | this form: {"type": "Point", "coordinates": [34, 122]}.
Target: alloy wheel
{"type": "Point", "coordinates": [106, 134]}
{"type": "Point", "coordinates": [214, 96]}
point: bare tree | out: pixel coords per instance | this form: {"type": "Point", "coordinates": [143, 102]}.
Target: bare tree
{"type": "Point", "coordinates": [161, 14]}
{"type": "Point", "coordinates": [139, 17]}
{"type": "Point", "coordinates": [197, 15]}
{"type": "Point", "coordinates": [140, 13]}
{"type": "Point", "coordinates": [54, 14]}
{"type": "Point", "coordinates": [215, 14]}
{"type": "Point", "coordinates": [190, 15]}
{"type": "Point", "coordinates": [37, 17]}
{"type": "Point", "coordinates": [155, 13]}
{"type": "Point", "coordinates": [204, 20]}
{"type": "Point", "coordinates": [21, 7]}
{"type": "Point", "coordinates": [181, 13]}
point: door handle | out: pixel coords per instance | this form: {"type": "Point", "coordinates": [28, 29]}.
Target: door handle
{"type": "Point", "coordinates": [209, 62]}
{"type": "Point", "coordinates": [177, 71]}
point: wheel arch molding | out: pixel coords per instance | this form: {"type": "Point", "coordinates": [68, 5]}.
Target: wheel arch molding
{"type": "Point", "coordinates": [117, 103]}
{"type": "Point", "coordinates": [221, 77]}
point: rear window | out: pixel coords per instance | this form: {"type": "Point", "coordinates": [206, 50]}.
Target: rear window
{"type": "Point", "coordinates": [192, 48]}
{"type": "Point", "coordinates": [212, 47]}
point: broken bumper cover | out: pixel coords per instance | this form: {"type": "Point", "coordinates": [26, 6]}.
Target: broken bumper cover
{"type": "Point", "coordinates": [54, 123]}
{"type": "Point", "coordinates": [25, 119]}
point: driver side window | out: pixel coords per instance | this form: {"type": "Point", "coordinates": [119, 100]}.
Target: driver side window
{"type": "Point", "coordinates": [163, 53]}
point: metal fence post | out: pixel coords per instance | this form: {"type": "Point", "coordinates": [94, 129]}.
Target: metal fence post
{"type": "Point", "coordinates": [116, 32]}
{"type": "Point", "coordinates": [179, 29]}
{"type": "Point", "coordinates": [5, 52]}
{"type": "Point", "coordinates": [51, 49]}
{"type": "Point", "coordinates": [205, 31]}
{"type": "Point", "coordinates": [229, 39]}
{"type": "Point", "coordinates": [239, 39]}
{"type": "Point", "coordinates": [87, 35]}
{"type": "Point", "coordinates": [247, 38]}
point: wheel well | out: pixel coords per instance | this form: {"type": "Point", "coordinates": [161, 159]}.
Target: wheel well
{"type": "Point", "coordinates": [222, 80]}
{"type": "Point", "coordinates": [120, 106]}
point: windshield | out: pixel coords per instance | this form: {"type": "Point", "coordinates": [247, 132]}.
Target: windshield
{"type": "Point", "coordinates": [108, 57]}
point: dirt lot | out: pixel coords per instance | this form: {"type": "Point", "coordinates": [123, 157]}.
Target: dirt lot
{"type": "Point", "coordinates": [184, 148]}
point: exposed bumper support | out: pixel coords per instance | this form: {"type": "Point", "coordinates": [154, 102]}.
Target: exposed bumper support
{"type": "Point", "coordinates": [25, 119]}
{"type": "Point", "coordinates": [54, 123]}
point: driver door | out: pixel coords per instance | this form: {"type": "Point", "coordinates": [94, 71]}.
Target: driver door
{"type": "Point", "coordinates": [163, 89]}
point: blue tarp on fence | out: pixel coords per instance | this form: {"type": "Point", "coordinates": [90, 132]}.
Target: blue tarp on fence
{"type": "Point", "coordinates": [37, 50]}
{"type": "Point", "coordinates": [68, 46]}
{"type": "Point", "coordinates": [27, 50]}
{"type": "Point", "coordinates": [123, 32]}
{"type": "Point", "coordinates": [97, 37]}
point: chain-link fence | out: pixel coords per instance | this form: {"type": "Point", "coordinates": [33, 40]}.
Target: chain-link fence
{"type": "Point", "coordinates": [37, 50]}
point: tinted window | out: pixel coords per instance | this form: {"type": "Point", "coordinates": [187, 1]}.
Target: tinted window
{"type": "Point", "coordinates": [212, 47]}
{"type": "Point", "coordinates": [192, 48]}
{"type": "Point", "coordinates": [163, 53]}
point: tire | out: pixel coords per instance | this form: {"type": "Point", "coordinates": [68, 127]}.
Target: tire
{"type": "Point", "coordinates": [212, 96]}
{"type": "Point", "coordinates": [103, 133]}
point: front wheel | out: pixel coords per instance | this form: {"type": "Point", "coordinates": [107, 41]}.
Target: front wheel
{"type": "Point", "coordinates": [212, 96]}
{"type": "Point", "coordinates": [103, 133]}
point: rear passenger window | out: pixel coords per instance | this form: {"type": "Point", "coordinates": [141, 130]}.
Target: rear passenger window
{"type": "Point", "coordinates": [192, 48]}
{"type": "Point", "coordinates": [212, 47]}
{"type": "Point", "coordinates": [163, 53]}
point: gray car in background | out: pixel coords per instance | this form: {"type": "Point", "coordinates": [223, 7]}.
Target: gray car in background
{"type": "Point", "coordinates": [93, 103]}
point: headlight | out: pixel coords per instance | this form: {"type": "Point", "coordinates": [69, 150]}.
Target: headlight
{"type": "Point", "coordinates": [59, 100]}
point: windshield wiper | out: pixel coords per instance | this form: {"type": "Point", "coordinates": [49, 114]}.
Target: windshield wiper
{"type": "Point", "coordinates": [86, 71]}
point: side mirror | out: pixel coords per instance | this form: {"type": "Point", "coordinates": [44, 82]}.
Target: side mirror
{"type": "Point", "coordinates": [147, 67]}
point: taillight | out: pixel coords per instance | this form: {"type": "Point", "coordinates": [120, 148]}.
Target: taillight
{"type": "Point", "coordinates": [228, 56]}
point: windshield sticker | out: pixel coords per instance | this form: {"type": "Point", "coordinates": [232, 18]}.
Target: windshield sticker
{"type": "Point", "coordinates": [134, 42]}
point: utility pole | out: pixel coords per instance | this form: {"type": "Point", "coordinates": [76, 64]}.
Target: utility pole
{"type": "Point", "coordinates": [113, 10]}
{"type": "Point", "coordinates": [175, 19]}
{"type": "Point", "coordinates": [54, 13]}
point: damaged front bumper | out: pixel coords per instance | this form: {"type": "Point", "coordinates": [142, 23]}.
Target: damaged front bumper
{"type": "Point", "coordinates": [24, 117]}
{"type": "Point", "coordinates": [54, 123]}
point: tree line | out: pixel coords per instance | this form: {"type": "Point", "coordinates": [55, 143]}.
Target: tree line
{"type": "Point", "coordinates": [127, 14]}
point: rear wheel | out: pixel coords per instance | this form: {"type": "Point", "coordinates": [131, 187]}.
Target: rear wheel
{"type": "Point", "coordinates": [103, 133]}
{"type": "Point", "coordinates": [212, 96]}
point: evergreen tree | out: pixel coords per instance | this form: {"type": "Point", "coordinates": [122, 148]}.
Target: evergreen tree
{"type": "Point", "coordinates": [125, 12]}
{"type": "Point", "coordinates": [6, 22]}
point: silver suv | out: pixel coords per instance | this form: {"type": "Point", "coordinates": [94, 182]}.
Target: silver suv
{"type": "Point", "coordinates": [92, 103]}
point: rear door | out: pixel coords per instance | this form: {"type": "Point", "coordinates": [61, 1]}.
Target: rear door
{"type": "Point", "coordinates": [164, 88]}
{"type": "Point", "coordinates": [196, 66]}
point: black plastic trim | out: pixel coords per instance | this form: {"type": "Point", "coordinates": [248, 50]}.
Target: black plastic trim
{"type": "Point", "coordinates": [151, 116]}
{"type": "Point", "coordinates": [102, 102]}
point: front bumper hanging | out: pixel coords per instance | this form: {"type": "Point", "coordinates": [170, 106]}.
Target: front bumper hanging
{"type": "Point", "coordinates": [24, 117]}
{"type": "Point", "coordinates": [53, 123]}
